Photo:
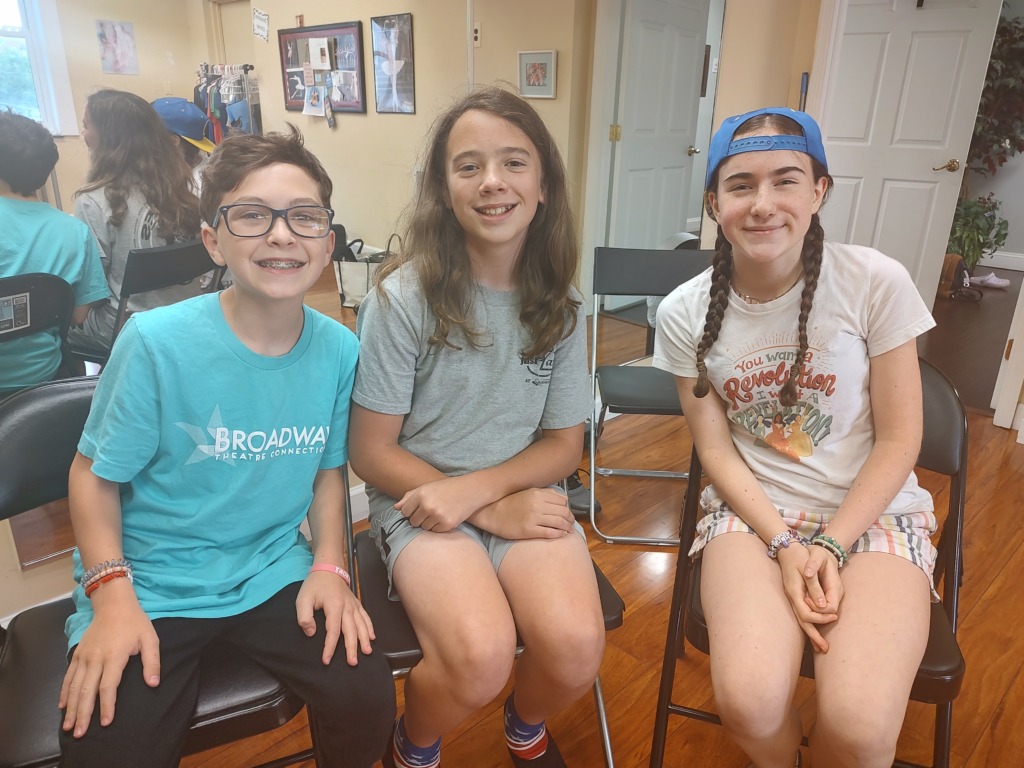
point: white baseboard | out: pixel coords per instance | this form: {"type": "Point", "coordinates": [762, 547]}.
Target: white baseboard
{"type": "Point", "coordinates": [1003, 260]}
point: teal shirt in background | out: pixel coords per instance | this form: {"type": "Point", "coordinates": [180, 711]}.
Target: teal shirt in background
{"type": "Point", "coordinates": [216, 449]}
{"type": "Point", "coordinates": [36, 237]}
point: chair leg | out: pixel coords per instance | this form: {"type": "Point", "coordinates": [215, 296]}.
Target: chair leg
{"type": "Point", "coordinates": [943, 735]}
{"type": "Point", "coordinates": [673, 644]}
{"type": "Point", "coordinates": [602, 724]}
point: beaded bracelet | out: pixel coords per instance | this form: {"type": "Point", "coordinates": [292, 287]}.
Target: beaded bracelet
{"type": "Point", "coordinates": [100, 568]}
{"type": "Point", "coordinates": [336, 569]}
{"type": "Point", "coordinates": [781, 541]}
{"type": "Point", "coordinates": [831, 545]}
{"type": "Point", "coordinates": [96, 584]}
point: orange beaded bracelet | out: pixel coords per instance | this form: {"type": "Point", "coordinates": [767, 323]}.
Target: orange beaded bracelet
{"type": "Point", "coordinates": [103, 580]}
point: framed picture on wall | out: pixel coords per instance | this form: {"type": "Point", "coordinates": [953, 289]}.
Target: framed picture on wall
{"type": "Point", "coordinates": [394, 74]}
{"type": "Point", "coordinates": [328, 57]}
{"type": "Point", "coordinates": [538, 71]}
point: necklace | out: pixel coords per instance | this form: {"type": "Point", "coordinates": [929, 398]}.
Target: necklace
{"type": "Point", "coordinates": [754, 300]}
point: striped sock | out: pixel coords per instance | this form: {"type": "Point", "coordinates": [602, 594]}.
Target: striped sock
{"type": "Point", "coordinates": [525, 741]}
{"type": "Point", "coordinates": [408, 755]}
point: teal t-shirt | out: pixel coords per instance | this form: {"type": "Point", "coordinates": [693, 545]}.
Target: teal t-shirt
{"type": "Point", "coordinates": [35, 237]}
{"type": "Point", "coordinates": [216, 449]}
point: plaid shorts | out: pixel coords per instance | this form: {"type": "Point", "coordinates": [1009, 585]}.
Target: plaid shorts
{"type": "Point", "coordinates": [905, 534]}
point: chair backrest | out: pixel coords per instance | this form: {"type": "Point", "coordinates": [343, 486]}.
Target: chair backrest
{"type": "Point", "coordinates": [150, 269]}
{"type": "Point", "coordinates": [39, 432]}
{"type": "Point", "coordinates": [644, 271]}
{"type": "Point", "coordinates": [34, 302]}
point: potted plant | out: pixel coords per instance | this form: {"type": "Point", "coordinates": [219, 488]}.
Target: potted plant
{"type": "Point", "coordinates": [999, 129]}
{"type": "Point", "coordinates": [977, 229]}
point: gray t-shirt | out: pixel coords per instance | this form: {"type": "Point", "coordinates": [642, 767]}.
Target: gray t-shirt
{"type": "Point", "coordinates": [138, 229]}
{"type": "Point", "coordinates": [471, 408]}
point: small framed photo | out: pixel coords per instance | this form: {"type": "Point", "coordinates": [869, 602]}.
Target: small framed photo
{"type": "Point", "coordinates": [538, 71]}
{"type": "Point", "coordinates": [394, 73]}
{"type": "Point", "coordinates": [327, 58]}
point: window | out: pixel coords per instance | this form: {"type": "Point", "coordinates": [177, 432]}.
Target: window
{"type": "Point", "coordinates": [33, 70]}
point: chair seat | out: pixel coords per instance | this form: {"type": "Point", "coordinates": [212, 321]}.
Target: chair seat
{"type": "Point", "coordinates": [938, 679]}
{"type": "Point", "coordinates": [638, 389]}
{"type": "Point", "coordinates": [33, 659]}
{"type": "Point", "coordinates": [395, 635]}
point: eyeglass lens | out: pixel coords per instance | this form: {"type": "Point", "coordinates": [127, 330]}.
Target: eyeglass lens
{"type": "Point", "coordinates": [253, 220]}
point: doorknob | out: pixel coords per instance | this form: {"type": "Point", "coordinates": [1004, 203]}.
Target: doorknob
{"type": "Point", "coordinates": [951, 165]}
{"type": "Point", "coordinates": [692, 150]}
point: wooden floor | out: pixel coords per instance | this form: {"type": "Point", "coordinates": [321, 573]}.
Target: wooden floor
{"type": "Point", "coordinates": [988, 728]}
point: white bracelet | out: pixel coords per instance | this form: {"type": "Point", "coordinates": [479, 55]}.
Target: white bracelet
{"type": "Point", "coordinates": [781, 541]}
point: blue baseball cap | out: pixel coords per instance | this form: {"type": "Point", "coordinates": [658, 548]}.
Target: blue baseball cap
{"type": "Point", "coordinates": [723, 146]}
{"type": "Point", "coordinates": [185, 119]}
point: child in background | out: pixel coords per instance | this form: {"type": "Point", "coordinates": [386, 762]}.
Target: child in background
{"type": "Point", "coordinates": [138, 194]}
{"type": "Point", "coordinates": [188, 490]}
{"type": "Point", "coordinates": [468, 407]}
{"type": "Point", "coordinates": [796, 365]}
{"type": "Point", "coordinates": [36, 237]}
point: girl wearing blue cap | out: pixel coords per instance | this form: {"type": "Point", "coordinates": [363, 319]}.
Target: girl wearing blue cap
{"type": "Point", "coordinates": [796, 364]}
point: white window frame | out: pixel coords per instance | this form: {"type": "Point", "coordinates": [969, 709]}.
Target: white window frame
{"type": "Point", "coordinates": [41, 32]}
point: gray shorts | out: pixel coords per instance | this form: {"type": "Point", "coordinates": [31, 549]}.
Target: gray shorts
{"type": "Point", "coordinates": [393, 533]}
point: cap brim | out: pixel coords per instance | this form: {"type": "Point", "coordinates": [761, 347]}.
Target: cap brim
{"type": "Point", "coordinates": [204, 144]}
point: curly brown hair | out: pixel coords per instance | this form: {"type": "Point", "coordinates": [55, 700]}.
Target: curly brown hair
{"type": "Point", "coordinates": [434, 241]}
{"type": "Point", "coordinates": [722, 264]}
{"type": "Point", "coordinates": [135, 152]}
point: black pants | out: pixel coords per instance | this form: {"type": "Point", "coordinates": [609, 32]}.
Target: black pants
{"type": "Point", "coordinates": [351, 709]}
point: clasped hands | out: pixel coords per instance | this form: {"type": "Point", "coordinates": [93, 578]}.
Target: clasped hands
{"type": "Point", "coordinates": [442, 505]}
{"type": "Point", "coordinates": [810, 577]}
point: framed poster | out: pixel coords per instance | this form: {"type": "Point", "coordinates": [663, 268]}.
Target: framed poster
{"type": "Point", "coordinates": [538, 71]}
{"type": "Point", "coordinates": [328, 57]}
{"type": "Point", "coordinates": [394, 74]}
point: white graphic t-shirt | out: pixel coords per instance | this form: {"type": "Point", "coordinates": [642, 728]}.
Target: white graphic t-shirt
{"type": "Point", "coordinates": [805, 456]}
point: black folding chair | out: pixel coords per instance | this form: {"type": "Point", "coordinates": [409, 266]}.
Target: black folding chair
{"type": "Point", "coordinates": [34, 303]}
{"type": "Point", "coordinates": [938, 681]}
{"type": "Point", "coordinates": [39, 432]}
{"type": "Point", "coordinates": [632, 389]}
{"type": "Point", "coordinates": [150, 269]}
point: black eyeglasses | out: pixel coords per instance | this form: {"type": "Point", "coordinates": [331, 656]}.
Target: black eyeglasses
{"type": "Point", "coordinates": [255, 220]}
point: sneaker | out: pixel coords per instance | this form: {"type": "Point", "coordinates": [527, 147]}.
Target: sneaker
{"type": "Point", "coordinates": [551, 758]}
{"type": "Point", "coordinates": [579, 496]}
{"type": "Point", "coordinates": [991, 280]}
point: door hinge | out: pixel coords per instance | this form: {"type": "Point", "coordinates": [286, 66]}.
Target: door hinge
{"type": "Point", "coordinates": [1009, 348]}
{"type": "Point", "coordinates": [614, 132]}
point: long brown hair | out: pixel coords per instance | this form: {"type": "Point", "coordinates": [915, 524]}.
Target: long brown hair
{"type": "Point", "coordinates": [434, 241]}
{"type": "Point", "coordinates": [134, 151]}
{"type": "Point", "coordinates": [722, 263]}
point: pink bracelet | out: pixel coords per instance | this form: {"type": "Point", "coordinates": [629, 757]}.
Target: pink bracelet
{"type": "Point", "coordinates": [333, 569]}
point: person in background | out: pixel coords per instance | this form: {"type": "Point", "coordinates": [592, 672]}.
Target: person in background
{"type": "Point", "coordinates": [138, 194]}
{"type": "Point", "coordinates": [190, 126]}
{"type": "Point", "coordinates": [36, 237]}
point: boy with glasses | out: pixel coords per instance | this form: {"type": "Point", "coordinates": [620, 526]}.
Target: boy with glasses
{"type": "Point", "coordinates": [219, 424]}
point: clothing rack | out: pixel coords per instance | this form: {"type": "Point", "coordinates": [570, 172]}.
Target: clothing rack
{"type": "Point", "coordinates": [236, 91]}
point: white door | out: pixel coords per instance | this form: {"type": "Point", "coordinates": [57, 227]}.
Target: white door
{"type": "Point", "coordinates": [649, 57]}
{"type": "Point", "coordinates": [901, 102]}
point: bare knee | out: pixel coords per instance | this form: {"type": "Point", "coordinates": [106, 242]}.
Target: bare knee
{"type": "Point", "coordinates": [856, 734]}
{"type": "Point", "coordinates": [753, 712]}
{"type": "Point", "coordinates": [571, 654]}
{"type": "Point", "coordinates": [477, 664]}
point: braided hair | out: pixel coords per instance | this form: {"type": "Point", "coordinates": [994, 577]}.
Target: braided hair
{"type": "Point", "coordinates": [722, 265]}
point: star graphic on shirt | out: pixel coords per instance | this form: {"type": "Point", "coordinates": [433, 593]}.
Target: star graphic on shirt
{"type": "Point", "coordinates": [204, 449]}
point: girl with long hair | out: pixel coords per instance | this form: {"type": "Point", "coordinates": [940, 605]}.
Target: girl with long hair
{"type": "Point", "coordinates": [797, 369]}
{"type": "Point", "coordinates": [138, 194]}
{"type": "Point", "coordinates": [469, 406]}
